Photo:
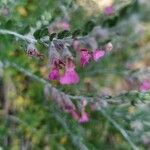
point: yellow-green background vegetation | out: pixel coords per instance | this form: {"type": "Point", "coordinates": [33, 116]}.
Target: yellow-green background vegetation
{"type": "Point", "coordinates": [29, 121]}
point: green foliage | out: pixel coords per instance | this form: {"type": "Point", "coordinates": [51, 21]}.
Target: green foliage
{"type": "Point", "coordinates": [27, 119]}
{"type": "Point", "coordinates": [40, 33]}
{"type": "Point", "coordinates": [63, 34]}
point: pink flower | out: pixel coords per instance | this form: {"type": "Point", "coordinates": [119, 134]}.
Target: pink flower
{"type": "Point", "coordinates": [70, 76]}
{"type": "Point", "coordinates": [108, 10]}
{"type": "Point", "coordinates": [145, 86]}
{"type": "Point", "coordinates": [56, 65]}
{"type": "Point", "coordinates": [97, 54]}
{"type": "Point", "coordinates": [74, 115]}
{"type": "Point", "coordinates": [84, 57]}
{"type": "Point", "coordinates": [76, 44]}
{"type": "Point", "coordinates": [63, 25]}
{"type": "Point", "coordinates": [54, 74]}
{"type": "Point", "coordinates": [84, 117]}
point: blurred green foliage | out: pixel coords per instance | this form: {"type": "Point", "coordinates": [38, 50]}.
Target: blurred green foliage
{"type": "Point", "coordinates": [28, 121]}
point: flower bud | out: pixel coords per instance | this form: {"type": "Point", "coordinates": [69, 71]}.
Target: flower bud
{"type": "Point", "coordinates": [53, 54]}
{"type": "Point", "coordinates": [108, 47]}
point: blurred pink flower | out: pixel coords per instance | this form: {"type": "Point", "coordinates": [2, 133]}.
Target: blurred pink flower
{"type": "Point", "coordinates": [56, 65]}
{"type": "Point", "coordinates": [85, 57]}
{"type": "Point", "coordinates": [74, 115]}
{"type": "Point", "coordinates": [84, 117]}
{"type": "Point", "coordinates": [54, 74]}
{"type": "Point", "coordinates": [76, 44]}
{"type": "Point", "coordinates": [97, 54]}
{"type": "Point", "coordinates": [63, 25]}
{"type": "Point", "coordinates": [70, 76]}
{"type": "Point", "coordinates": [145, 86]}
{"type": "Point", "coordinates": [108, 10]}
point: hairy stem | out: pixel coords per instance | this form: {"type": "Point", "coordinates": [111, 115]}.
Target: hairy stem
{"type": "Point", "coordinates": [119, 128]}
{"type": "Point", "coordinates": [23, 37]}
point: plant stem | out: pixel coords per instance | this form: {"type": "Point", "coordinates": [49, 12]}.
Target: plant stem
{"type": "Point", "coordinates": [119, 128]}
{"type": "Point", "coordinates": [23, 37]}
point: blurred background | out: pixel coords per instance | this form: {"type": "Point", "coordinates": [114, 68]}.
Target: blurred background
{"type": "Point", "coordinates": [30, 120]}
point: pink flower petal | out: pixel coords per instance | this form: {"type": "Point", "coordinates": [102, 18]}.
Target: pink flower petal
{"type": "Point", "coordinates": [63, 25]}
{"type": "Point", "coordinates": [108, 10]}
{"type": "Point", "coordinates": [84, 117]}
{"type": "Point", "coordinates": [85, 57]}
{"type": "Point", "coordinates": [76, 45]}
{"type": "Point", "coordinates": [97, 54]}
{"type": "Point", "coordinates": [74, 115]}
{"type": "Point", "coordinates": [54, 74]}
{"type": "Point", "coordinates": [145, 86]}
{"type": "Point", "coordinates": [70, 77]}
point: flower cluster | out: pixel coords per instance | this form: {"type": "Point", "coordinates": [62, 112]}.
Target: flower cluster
{"type": "Point", "coordinates": [81, 117]}
{"type": "Point", "coordinates": [86, 56]}
{"type": "Point", "coordinates": [108, 10]}
{"type": "Point", "coordinates": [59, 25]}
{"type": "Point", "coordinates": [69, 77]}
{"type": "Point", "coordinates": [145, 86]}
{"type": "Point", "coordinates": [62, 100]}
{"type": "Point", "coordinates": [63, 65]}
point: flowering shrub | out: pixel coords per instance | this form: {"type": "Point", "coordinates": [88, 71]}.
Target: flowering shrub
{"type": "Point", "coordinates": [145, 86]}
{"type": "Point", "coordinates": [67, 63]}
{"type": "Point", "coordinates": [74, 74]}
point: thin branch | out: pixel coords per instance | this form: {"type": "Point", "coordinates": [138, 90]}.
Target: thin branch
{"type": "Point", "coordinates": [119, 128]}
{"type": "Point", "coordinates": [75, 139]}
{"type": "Point", "coordinates": [45, 82]}
{"type": "Point", "coordinates": [23, 37]}
{"type": "Point", "coordinates": [33, 40]}
{"type": "Point", "coordinates": [42, 40]}
{"type": "Point", "coordinates": [108, 99]}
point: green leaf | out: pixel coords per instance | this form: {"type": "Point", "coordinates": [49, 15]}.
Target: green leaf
{"type": "Point", "coordinates": [37, 34]}
{"type": "Point", "coordinates": [52, 36]}
{"type": "Point", "coordinates": [44, 32]}
{"type": "Point", "coordinates": [40, 33]}
{"type": "Point", "coordinates": [26, 29]}
{"type": "Point", "coordinates": [76, 33]}
{"type": "Point", "coordinates": [84, 32]}
{"type": "Point", "coordinates": [89, 25]}
{"type": "Point", "coordinates": [63, 34]}
{"type": "Point", "coordinates": [10, 24]}
{"type": "Point", "coordinates": [110, 22]}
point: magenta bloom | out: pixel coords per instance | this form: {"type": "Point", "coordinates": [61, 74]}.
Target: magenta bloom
{"type": "Point", "coordinates": [76, 44]}
{"type": "Point", "coordinates": [145, 86]}
{"type": "Point", "coordinates": [63, 25]}
{"type": "Point", "coordinates": [97, 54]}
{"type": "Point", "coordinates": [108, 10]}
{"type": "Point", "coordinates": [54, 74]}
{"type": "Point", "coordinates": [85, 57]}
{"type": "Point", "coordinates": [74, 115]}
{"type": "Point", "coordinates": [70, 76]}
{"type": "Point", "coordinates": [56, 65]}
{"type": "Point", "coordinates": [84, 117]}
